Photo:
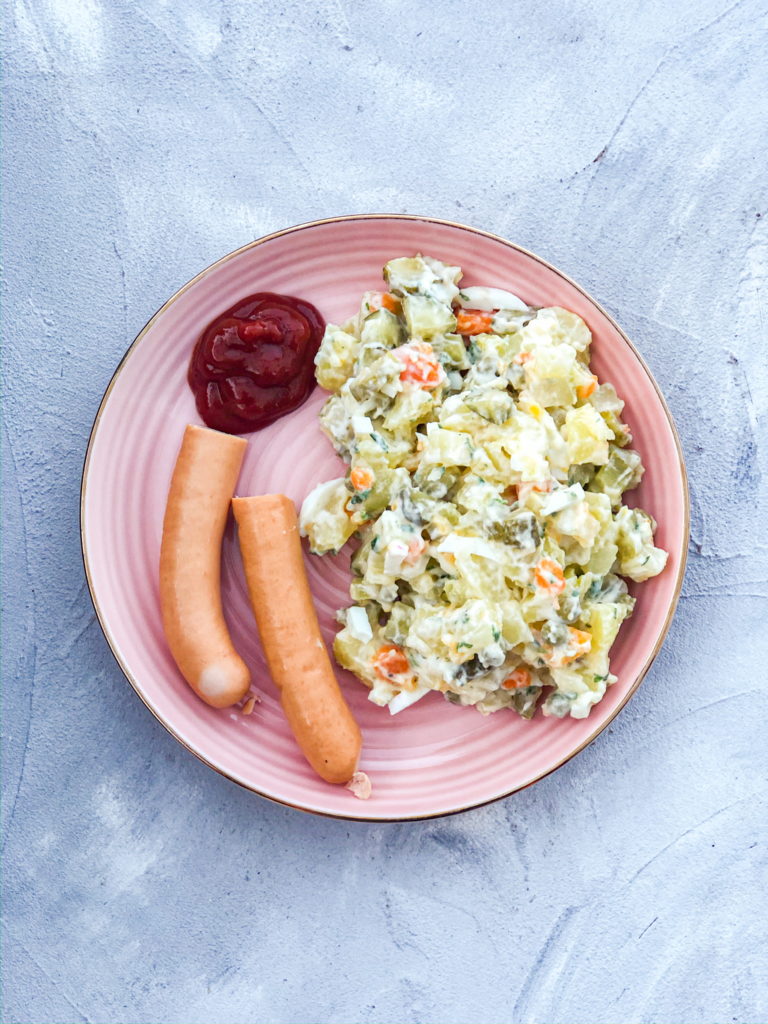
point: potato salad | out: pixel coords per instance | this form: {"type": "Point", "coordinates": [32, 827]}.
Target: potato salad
{"type": "Point", "coordinates": [486, 469]}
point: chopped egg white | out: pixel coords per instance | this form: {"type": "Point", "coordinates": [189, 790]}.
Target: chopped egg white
{"type": "Point", "coordinates": [362, 425]}
{"type": "Point", "coordinates": [358, 624]}
{"type": "Point", "coordinates": [405, 698]}
{"type": "Point", "coordinates": [488, 299]}
{"type": "Point", "coordinates": [394, 556]}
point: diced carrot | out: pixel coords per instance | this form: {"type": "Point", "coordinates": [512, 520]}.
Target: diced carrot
{"type": "Point", "coordinates": [521, 357]}
{"type": "Point", "coordinates": [525, 487]}
{"type": "Point", "coordinates": [420, 364]}
{"type": "Point", "coordinates": [585, 390]}
{"type": "Point", "coordinates": [518, 679]}
{"type": "Point", "coordinates": [473, 321]}
{"type": "Point", "coordinates": [390, 661]}
{"type": "Point", "coordinates": [385, 300]}
{"type": "Point", "coordinates": [415, 550]}
{"type": "Point", "coordinates": [361, 478]}
{"type": "Point", "coordinates": [578, 644]}
{"type": "Point", "coordinates": [549, 576]}
{"type": "Point", "coordinates": [579, 637]}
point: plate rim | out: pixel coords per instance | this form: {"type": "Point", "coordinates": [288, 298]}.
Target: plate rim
{"type": "Point", "coordinates": [114, 647]}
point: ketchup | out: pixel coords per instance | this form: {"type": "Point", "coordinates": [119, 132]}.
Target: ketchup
{"type": "Point", "coordinates": [255, 362]}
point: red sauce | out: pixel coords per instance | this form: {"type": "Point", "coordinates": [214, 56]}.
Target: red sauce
{"type": "Point", "coordinates": [255, 362]}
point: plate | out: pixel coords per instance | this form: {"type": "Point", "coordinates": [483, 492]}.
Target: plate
{"type": "Point", "coordinates": [435, 758]}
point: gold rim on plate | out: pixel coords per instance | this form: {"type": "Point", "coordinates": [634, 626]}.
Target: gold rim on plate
{"type": "Point", "coordinates": [427, 220]}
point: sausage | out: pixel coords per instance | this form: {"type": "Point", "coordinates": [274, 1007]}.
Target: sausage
{"type": "Point", "coordinates": [290, 635]}
{"type": "Point", "coordinates": [203, 481]}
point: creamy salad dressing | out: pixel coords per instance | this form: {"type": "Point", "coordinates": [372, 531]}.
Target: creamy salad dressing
{"type": "Point", "coordinates": [486, 472]}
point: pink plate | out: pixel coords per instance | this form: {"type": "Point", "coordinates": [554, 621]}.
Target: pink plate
{"type": "Point", "coordinates": [434, 758]}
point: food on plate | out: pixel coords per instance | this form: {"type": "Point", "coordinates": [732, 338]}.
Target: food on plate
{"type": "Point", "coordinates": [254, 363]}
{"type": "Point", "coordinates": [201, 488]}
{"type": "Point", "coordinates": [360, 786]}
{"type": "Point", "coordinates": [486, 469]}
{"type": "Point", "coordinates": [290, 636]}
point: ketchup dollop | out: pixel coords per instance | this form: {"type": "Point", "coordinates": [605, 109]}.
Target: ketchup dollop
{"type": "Point", "coordinates": [255, 362]}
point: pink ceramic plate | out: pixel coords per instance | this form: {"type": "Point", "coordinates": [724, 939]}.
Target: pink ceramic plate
{"type": "Point", "coordinates": [434, 758]}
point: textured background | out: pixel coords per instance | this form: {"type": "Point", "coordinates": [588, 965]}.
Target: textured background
{"type": "Point", "coordinates": [624, 142]}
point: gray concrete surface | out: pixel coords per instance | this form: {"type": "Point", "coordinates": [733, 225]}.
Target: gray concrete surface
{"type": "Point", "coordinates": [625, 142]}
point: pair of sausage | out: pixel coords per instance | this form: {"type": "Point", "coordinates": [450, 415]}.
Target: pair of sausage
{"type": "Point", "coordinates": [190, 598]}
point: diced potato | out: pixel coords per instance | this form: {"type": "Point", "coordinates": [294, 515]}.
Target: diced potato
{"type": "Point", "coordinates": [424, 276]}
{"type": "Point", "coordinates": [446, 447]}
{"type": "Point", "coordinates": [567, 327]}
{"type": "Point", "coordinates": [324, 517]}
{"type": "Point", "coordinates": [495, 351]}
{"type": "Point", "coordinates": [410, 408]}
{"type": "Point", "coordinates": [638, 558]}
{"type": "Point", "coordinates": [550, 375]}
{"type": "Point", "coordinates": [586, 435]}
{"type": "Point", "coordinates": [514, 628]}
{"type": "Point", "coordinates": [355, 656]}
{"type": "Point", "coordinates": [335, 359]}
